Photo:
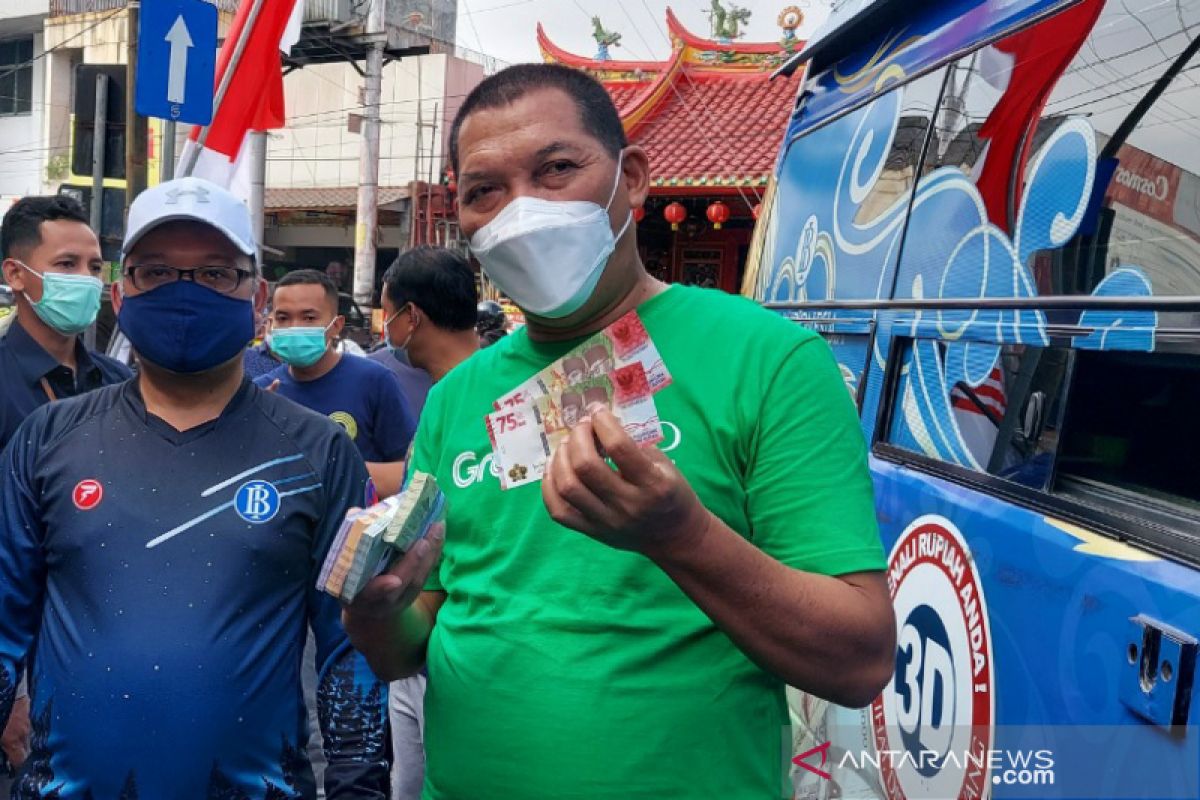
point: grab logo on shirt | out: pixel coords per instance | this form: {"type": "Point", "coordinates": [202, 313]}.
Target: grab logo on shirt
{"type": "Point", "coordinates": [470, 468]}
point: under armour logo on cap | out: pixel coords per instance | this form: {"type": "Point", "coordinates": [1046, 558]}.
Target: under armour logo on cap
{"type": "Point", "coordinates": [199, 192]}
{"type": "Point", "coordinates": [181, 199]}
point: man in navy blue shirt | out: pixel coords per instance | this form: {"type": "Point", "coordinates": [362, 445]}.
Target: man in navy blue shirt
{"type": "Point", "coordinates": [160, 542]}
{"type": "Point", "coordinates": [428, 294]}
{"type": "Point", "coordinates": [358, 394]}
{"type": "Point", "coordinates": [414, 383]}
{"type": "Point", "coordinates": [52, 262]}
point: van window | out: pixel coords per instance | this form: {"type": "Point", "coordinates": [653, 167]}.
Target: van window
{"type": "Point", "coordinates": [1112, 430]}
{"type": "Point", "coordinates": [900, 169]}
{"type": "Point", "coordinates": [832, 191]}
{"type": "Point", "coordinates": [1148, 218]}
{"type": "Point", "coordinates": [1005, 420]}
{"type": "Point", "coordinates": [1133, 428]}
{"type": "Point", "coordinates": [1093, 62]}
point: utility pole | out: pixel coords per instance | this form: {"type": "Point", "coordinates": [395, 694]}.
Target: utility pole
{"type": "Point", "coordinates": [258, 184]}
{"type": "Point", "coordinates": [430, 237]}
{"type": "Point", "coordinates": [367, 226]}
{"type": "Point", "coordinates": [99, 140]}
{"type": "Point", "coordinates": [136, 128]}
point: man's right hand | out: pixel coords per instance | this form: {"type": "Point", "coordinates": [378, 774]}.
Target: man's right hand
{"type": "Point", "coordinates": [15, 741]}
{"type": "Point", "coordinates": [385, 622]}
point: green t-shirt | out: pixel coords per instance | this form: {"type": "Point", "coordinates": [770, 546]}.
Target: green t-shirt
{"type": "Point", "coordinates": [561, 668]}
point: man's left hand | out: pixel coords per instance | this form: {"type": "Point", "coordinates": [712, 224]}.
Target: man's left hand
{"type": "Point", "coordinates": [644, 504]}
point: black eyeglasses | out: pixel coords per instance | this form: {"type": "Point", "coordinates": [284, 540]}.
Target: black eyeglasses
{"type": "Point", "coordinates": [148, 277]}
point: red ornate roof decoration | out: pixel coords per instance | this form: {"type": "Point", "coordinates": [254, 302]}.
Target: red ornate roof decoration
{"type": "Point", "coordinates": [709, 116]}
{"type": "Point", "coordinates": [555, 54]}
{"type": "Point", "coordinates": [682, 34]}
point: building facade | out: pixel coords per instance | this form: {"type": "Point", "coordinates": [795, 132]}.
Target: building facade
{"type": "Point", "coordinates": [22, 99]}
{"type": "Point", "coordinates": [312, 164]}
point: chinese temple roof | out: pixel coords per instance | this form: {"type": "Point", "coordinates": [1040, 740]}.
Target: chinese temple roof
{"type": "Point", "coordinates": [710, 117]}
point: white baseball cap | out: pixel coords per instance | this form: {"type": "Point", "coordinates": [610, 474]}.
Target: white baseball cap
{"type": "Point", "coordinates": [191, 199]}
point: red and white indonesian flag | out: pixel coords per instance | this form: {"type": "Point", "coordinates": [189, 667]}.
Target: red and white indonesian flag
{"type": "Point", "coordinates": [254, 99]}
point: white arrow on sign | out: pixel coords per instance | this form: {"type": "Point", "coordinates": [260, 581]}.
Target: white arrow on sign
{"type": "Point", "coordinates": [180, 42]}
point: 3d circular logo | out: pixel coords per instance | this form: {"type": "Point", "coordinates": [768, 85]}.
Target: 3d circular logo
{"type": "Point", "coordinates": [933, 723]}
{"type": "Point", "coordinates": [87, 494]}
{"type": "Point", "coordinates": [256, 502]}
{"type": "Point", "coordinates": [346, 421]}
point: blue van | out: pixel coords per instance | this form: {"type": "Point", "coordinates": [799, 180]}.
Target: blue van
{"type": "Point", "coordinates": [991, 211]}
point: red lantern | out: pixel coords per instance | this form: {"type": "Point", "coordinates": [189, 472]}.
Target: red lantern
{"type": "Point", "coordinates": [639, 214]}
{"type": "Point", "coordinates": [756, 210]}
{"type": "Point", "coordinates": [718, 214]}
{"type": "Point", "coordinates": [675, 213]}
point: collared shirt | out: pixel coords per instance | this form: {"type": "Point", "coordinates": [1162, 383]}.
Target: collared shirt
{"type": "Point", "coordinates": [24, 364]}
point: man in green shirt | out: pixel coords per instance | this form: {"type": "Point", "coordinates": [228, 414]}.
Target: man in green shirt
{"type": "Point", "coordinates": [625, 628]}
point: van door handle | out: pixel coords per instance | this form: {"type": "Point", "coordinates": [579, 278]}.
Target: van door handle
{"type": "Point", "coordinates": [1160, 666]}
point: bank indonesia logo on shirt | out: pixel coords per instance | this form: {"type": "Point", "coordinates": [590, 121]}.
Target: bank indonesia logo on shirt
{"type": "Point", "coordinates": [257, 502]}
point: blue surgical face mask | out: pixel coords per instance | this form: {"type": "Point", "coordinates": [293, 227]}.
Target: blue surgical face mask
{"type": "Point", "coordinates": [399, 351]}
{"type": "Point", "coordinates": [187, 328]}
{"type": "Point", "coordinates": [69, 303]}
{"type": "Point", "coordinates": [299, 346]}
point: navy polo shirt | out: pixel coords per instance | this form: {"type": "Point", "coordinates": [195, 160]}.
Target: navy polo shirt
{"type": "Point", "coordinates": [23, 365]}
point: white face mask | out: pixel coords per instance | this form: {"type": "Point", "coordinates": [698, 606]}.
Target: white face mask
{"type": "Point", "coordinates": [548, 255]}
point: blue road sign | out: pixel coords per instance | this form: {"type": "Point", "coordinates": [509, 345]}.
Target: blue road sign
{"type": "Point", "coordinates": [177, 60]}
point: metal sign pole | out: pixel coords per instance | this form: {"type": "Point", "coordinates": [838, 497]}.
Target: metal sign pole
{"type": "Point", "coordinates": [168, 150]}
{"type": "Point", "coordinates": [223, 87]}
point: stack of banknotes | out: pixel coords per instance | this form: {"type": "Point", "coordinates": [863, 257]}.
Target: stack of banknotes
{"type": "Point", "coordinates": [370, 539]}
{"type": "Point", "coordinates": [619, 368]}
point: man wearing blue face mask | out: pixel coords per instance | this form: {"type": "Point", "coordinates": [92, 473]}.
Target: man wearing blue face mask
{"type": "Point", "coordinates": [627, 627]}
{"type": "Point", "coordinates": [429, 301]}
{"type": "Point", "coordinates": [160, 542]}
{"type": "Point", "coordinates": [52, 262]}
{"type": "Point", "coordinates": [358, 394]}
